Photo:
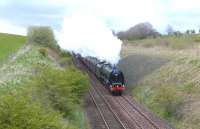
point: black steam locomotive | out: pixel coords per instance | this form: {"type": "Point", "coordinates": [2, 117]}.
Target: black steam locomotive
{"type": "Point", "coordinates": [109, 75]}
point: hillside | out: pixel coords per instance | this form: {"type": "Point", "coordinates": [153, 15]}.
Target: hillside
{"type": "Point", "coordinates": [40, 88]}
{"type": "Point", "coordinates": [165, 79]}
{"type": "Point", "coordinates": [10, 43]}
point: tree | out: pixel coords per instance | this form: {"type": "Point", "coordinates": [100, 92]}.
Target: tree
{"type": "Point", "coordinates": [139, 31]}
{"type": "Point", "coordinates": [42, 35]}
{"type": "Point", "coordinates": [177, 33]}
{"type": "Point", "coordinates": [193, 31]}
{"type": "Point", "coordinates": [188, 32]}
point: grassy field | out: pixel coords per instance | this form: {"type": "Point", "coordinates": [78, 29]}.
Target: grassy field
{"type": "Point", "coordinates": [172, 90]}
{"type": "Point", "coordinates": [10, 43]}
{"type": "Point", "coordinates": [175, 42]}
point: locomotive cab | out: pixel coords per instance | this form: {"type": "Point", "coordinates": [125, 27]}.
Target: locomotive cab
{"type": "Point", "coordinates": [116, 80]}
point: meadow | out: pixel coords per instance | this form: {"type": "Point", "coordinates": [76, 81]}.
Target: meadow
{"type": "Point", "coordinates": [10, 43]}
{"type": "Point", "coordinates": [172, 41]}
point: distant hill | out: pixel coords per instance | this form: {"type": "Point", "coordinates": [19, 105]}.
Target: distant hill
{"type": "Point", "coordinates": [9, 43]}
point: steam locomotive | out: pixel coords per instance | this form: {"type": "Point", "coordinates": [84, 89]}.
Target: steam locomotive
{"type": "Point", "coordinates": [109, 75]}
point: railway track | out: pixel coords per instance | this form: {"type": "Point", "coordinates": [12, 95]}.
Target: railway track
{"type": "Point", "coordinates": [120, 112]}
{"type": "Point", "coordinates": [133, 114]}
{"type": "Point", "coordinates": [133, 119]}
{"type": "Point", "coordinates": [99, 110]}
{"type": "Point", "coordinates": [140, 112]}
{"type": "Point", "coordinates": [109, 116]}
{"type": "Point", "coordinates": [150, 117]}
{"type": "Point", "coordinates": [136, 118]}
{"type": "Point", "coordinates": [124, 122]}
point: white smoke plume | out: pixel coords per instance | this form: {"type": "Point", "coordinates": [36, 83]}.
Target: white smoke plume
{"type": "Point", "coordinates": [89, 36]}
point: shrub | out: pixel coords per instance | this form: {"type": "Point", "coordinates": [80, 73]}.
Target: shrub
{"type": "Point", "coordinates": [65, 61]}
{"type": "Point", "coordinates": [168, 99]}
{"type": "Point", "coordinates": [18, 112]}
{"type": "Point", "coordinates": [65, 53]}
{"type": "Point", "coordinates": [66, 58]}
{"type": "Point", "coordinates": [43, 51]}
{"type": "Point", "coordinates": [63, 89]}
{"type": "Point", "coordinates": [43, 36]}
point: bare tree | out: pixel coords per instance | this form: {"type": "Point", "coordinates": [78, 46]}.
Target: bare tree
{"type": "Point", "coordinates": [139, 31]}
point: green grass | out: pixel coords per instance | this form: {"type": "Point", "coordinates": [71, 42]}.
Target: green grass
{"type": "Point", "coordinates": [175, 42]}
{"type": "Point", "coordinates": [10, 43]}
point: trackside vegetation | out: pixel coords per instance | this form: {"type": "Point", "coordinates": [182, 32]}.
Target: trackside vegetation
{"type": "Point", "coordinates": [36, 92]}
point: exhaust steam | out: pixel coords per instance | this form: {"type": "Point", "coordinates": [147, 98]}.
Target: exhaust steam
{"type": "Point", "coordinates": [89, 36]}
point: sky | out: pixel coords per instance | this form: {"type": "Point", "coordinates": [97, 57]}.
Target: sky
{"type": "Point", "coordinates": [17, 15]}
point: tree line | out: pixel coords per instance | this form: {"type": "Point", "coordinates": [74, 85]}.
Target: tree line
{"type": "Point", "coordinates": [146, 30]}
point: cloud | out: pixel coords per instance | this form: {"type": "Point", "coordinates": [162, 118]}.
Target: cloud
{"type": "Point", "coordinates": [117, 14]}
{"type": "Point", "coordinates": [7, 27]}
{"type": "Point", "coordinates": [25, 13]}
{"type": "Point", "coordinates": [122, 14]}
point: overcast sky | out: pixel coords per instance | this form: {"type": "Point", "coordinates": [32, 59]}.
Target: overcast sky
{"type": "Point", "coordinates": [17, 15]}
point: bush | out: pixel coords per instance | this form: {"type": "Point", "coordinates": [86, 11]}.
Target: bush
{"type": "Point", "coordinates": [63, 89]}
{"type": "Point", "coordinates": [18, 112]}
{"type": "Point", "coordinates": [43, 52]}
{"type": "Point", "coordinates": [65, 61]}
{"type": "Point", "coordinates": [42, 102]}
{"type": "Point", "coordinates": [43, 36]}
{"type": "Point", "coordinates": [65, 54]}
{"type": "Point", "coordinates": [167, 99]}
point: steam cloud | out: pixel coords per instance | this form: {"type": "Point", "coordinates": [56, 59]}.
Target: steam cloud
{"type": "Point", "coordinates": [89, 36]}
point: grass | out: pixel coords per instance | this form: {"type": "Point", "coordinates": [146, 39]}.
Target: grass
{"type": "Point", "coordinates": [172, 92]}
{"type": "Point", "coordinates": [175, 42]}
{"type": "Point", "coordinates": [10, 43]}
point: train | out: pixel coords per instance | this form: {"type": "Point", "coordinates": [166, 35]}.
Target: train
{"type": "Point", "coordinates": [108, 74]}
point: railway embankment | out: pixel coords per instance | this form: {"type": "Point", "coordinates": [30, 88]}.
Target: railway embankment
{"type": "Point", "coordinates": [166, 80]}
{"type": "Point", "coordinates": [41, 88]}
